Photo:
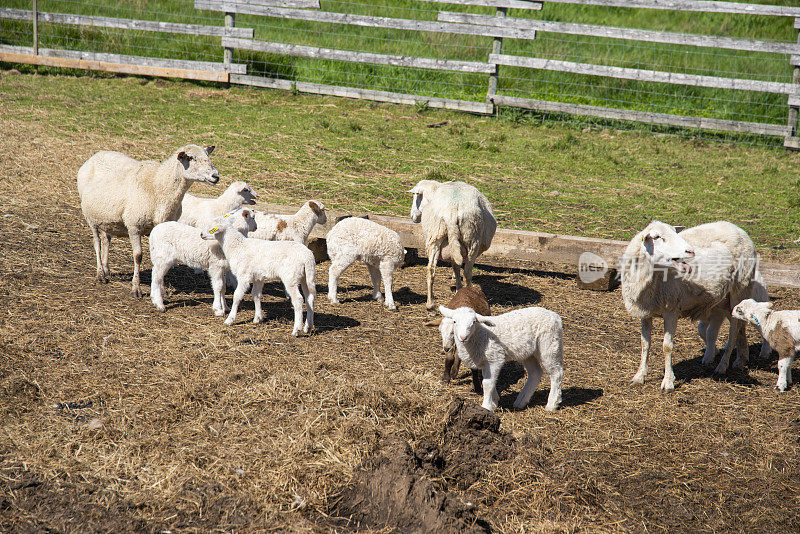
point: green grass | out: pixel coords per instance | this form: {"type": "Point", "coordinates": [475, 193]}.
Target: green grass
{"type": "Point", "coordinates": [713, 103]}
{"type": "Point", "coordinates": [360, 156]}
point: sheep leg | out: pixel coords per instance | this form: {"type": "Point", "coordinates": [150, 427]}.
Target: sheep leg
{"type": "Point", "coordinates": [733, 332]}
{"type": "Point", "coordinates": [258, 287]}
{"type": "Point", "coordinates": [710, 338]}
{"type": "Point", "coordinates": [457, 275]}
{"type": "Point", "coordinates": [136, 244]}
{"type": "Point", "coordinates": [742, 348]}
{"type": "Point", "coordinates": [477, 379]}
{"type": "Point", "coordinates": [241, 289]}
{"type": "Point", "coordinates": [784, 370]}
{"type": "Point", "coordinates": [157, 283]}
{"type": "Point", "coordinates": [375, 276]}
{"type": "Point", "coordinates": [534, 370]}
{"type": "Point", "coordinates": [310, 294]}
{"type": "Point", "coordinates": [490, 397]}
{"type": "Point", "coordinates": [433, 258]}
{"type": "Point", "coordinates": [670, 325]}
{"type": "Point", "coordinates": [217, 278]}
{"type": "Point", "coordinates": [468, 264]}
{"type": "Point", "coordinates": [647, 327]}
{"type": "Point", "coordinates": [766, 350]}
{"type": "Point", "coordinates": [297, 303]}
{"type": "Point", "coordinates": [105, 248]}
{"type": "Point", "coordinates": [387, 273]}
{"type": "Point", "coordinates": [334, 272]}
{"type": "Point", "coordinates": [96, 240]}
{"type": "Point", "coordinates": [451, 365]}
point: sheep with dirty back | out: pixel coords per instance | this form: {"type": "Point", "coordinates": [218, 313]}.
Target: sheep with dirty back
{"type": "Point", "coordinates": [121, 196]}
{"type": "Point", "coordinates": [469, 297]}
{"type": "Point", "coordinates": [698, 273]}
{"type": "Point", "coordinates": [172, 242]}
{"type": "Point", "coordinates": [457, 219]}
{"type": "Point", "coordinates": [255, 261]}
{"type": "Point", "coordinates": [356, 239]}
{"type": "Point", "coordinates": [780, 328]}
{"type": "Point", "coordinates": [198, 211]}
{"type": "Point", "coordinates": [531, 336]}
{"type": "Point", "coordinates": [297, 227]}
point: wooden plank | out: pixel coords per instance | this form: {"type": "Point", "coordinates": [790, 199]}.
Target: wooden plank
{"type": "Point", "coordinates": [693, 5]}
{"type": "Point", "coordinates": [359, 57]}
{"type": "Point", "coordinates": [623, 33]}
{"type": "Point", "coordinates": [794, 100]}
{"type": "Point", "coordinates": [129, 60]}
{"type": "Point", "coordinates": [534, 247]}
{"type": "Point", "coordinates": [127, 24]}
{"type": "Point", "coordinates": [517, 4]}
{"type": "Point", "coordinates": [644, 116]}
{"type": "Point", "coordinates": [791, 142]}
{"type": "Point", "coordinates": [222, 5]}
{"type": "Point", "coordinates": [643, 75]}
{"type": "Point", "coordinates": [481, 108]}
{"type": "Point", "coordinates": [367, 21]}
{"type": "Point", "coordinates": [125, 68]}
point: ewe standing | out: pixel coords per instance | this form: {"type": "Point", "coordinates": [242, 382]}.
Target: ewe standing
{"type": "Point", "coordinates": [455, 214]}
{"type": "Point", "coordinates": [701, 272]}
{"type": "Point", "coordinates": [121, 196]}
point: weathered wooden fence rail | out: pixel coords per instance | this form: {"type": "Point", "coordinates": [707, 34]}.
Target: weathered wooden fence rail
{"type": "Point", "coordinates": [498, 27]}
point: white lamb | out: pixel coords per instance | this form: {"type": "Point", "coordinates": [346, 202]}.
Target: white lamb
{"type": "Point", "coordinates": [356, 239]}
{"type": "Point", "coordinates": [780, 328]}
{"type": "Point", "coordinates": [531, 336]}
{"type": "Point", "coordinates": [173, 242]}
{"type": "Point", "coordinates": [454, 214]}
{"type": "Point", "coordinates": [198, 212]}
{"type": "Point", "coordinates": [255, 261]}
{"type": "Point", "coordinates": [697, 273]}
{"type": "Point", "coordinates": [295, 227]}
{"type": "Point", "coordinates": [121, 196]}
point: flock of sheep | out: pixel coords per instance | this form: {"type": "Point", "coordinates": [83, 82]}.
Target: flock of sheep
{"type": "Point", "coordinates": [707, 273]}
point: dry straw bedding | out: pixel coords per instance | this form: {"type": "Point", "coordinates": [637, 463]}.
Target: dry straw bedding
{"type": "Point", "coordinates": [118, 418]}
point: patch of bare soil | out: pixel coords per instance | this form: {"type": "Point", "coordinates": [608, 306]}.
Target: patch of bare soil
{"type": "Point", "coordinates": [407, 487]}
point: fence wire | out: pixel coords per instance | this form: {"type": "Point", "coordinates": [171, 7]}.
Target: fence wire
{"type": "Point", "coordinates": [513, 81]}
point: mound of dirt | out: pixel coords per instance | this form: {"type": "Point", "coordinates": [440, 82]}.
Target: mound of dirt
{"type": "Point", "coordinates": [407, 488]}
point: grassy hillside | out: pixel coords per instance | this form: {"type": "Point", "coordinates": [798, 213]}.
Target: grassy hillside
{"type": "Point", "coordinates": [723, 104]}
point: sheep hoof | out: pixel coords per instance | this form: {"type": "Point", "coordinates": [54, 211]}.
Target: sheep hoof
{"type": "Point", "coordinates": [228, 322]}
{"type": "Point", "coordinates": [667, 386]}
{"type": "Point", "coordinates": [296, 333]}
{"type": "Point", "coordinates": [780, 387]}
{"type": "Point", "coordinates": [101, 278]}
{"type": "Point", "coordinates": [257, 319]}
{"type": "Point", "coordinates": [392, 307]}
{"type": "Point", "coordinates": [136, 293]}
{"type": "Point", "coordinates": [219, 313]}
{"type": "Point", "coordinates": [333, 301]}
{"type": "Point", "coordinates": [551, 408]}
{"type": "Point", "coordinates": [738, 365]}
{"type": "Point", "coordinates": [519, 406]}
{"type": "Point", "coordinates": [637, 380]}
{"type": "Point", "coordinates": [430, 305]}
{"type": "Point", "coordinates": [446, 378]}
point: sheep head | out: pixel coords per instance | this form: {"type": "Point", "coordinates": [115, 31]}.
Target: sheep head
{"type": "Point", "coordinates": [421, 192]}
{"type": "Point", "coordinates": [319, 210]}
{"type": "Point", "coordinates": [195, 164]}
{"type": "Point", "coordinates": [245, 192]}
{"type": "Point", "coordinates": [464, 321]}
{"type": "Point", "coordinates": [662, 245]}
{"type": "Point", "coordinates": [751, 311]}
{"type": "Point", "coordinates": [242, 220]}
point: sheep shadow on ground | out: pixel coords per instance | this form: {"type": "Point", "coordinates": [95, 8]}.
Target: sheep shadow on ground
{"type": "Point", "coordinates": [403, 296]}
{"type": "Point", "coordinates": [688, 370]}
{"type": "Point", "coordinates": [500, 291]}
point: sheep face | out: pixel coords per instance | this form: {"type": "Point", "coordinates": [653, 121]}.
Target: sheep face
{"type": "Point", "coordinates": [319, 210]}
{"type": "Point", "coordinates": [665, 248]}
{"type": "Point", "coordinates": [416, 208]}
{"type": "Point", "coordinates": [747, 309]}
{"type": "Point", "coordinates": [195, 164]}
{"type": "Point", "coordinates": [464, 320]}
{"type": "Point", "coordinates": [242, 220]}
{"type": "Point", "coordinates": [246, 192]}
{"type": "Point", "coordinates": [421, 192]}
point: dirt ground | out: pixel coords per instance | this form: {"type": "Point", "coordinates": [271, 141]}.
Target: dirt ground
{"type": "Point", "coordinates": [116, 417]}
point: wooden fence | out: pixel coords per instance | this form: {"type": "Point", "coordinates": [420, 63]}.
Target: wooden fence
{"type": "Point", "coordinates": [498, 27]}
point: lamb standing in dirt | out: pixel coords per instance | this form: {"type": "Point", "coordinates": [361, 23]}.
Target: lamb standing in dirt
{"type": "Point", "coordinates": [780, 328]}
{"type": "Point", "coordinates": [693, 274]}
{"type": "Point", "coordinates": [121, 196]}
{"type": "Point", "coordinates": [295, 227]}
{"type": "Point", "coordinates": [172, 242]}
{"type": "Point", "coordinates": [356, 239]}
{"type": "Point", "coordinates": [469, 297]}
{"type": "Point", "coordinates": [454, 214]}
{"type": "Point", "coordinates": [198, 212]}
{"type": "Point", "coordinates": [531, 336]}
{"type": "Point", "coordinates": [255, 261]}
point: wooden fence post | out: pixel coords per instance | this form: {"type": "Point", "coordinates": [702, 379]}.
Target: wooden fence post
{"type": "Point", "coordinates": [497, 47]}
{"type": "Point", "coordinates": [35, 28]}
{"type": "Point", "coordinates": [792, 140]}
{"type": "Point", "coordinates": [230, 22]}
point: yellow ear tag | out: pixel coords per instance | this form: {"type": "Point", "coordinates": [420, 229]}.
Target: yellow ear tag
{"type": "Point", "coordinates": [227, 215]}
{"type": "Point", "coordinates": [213, 230]}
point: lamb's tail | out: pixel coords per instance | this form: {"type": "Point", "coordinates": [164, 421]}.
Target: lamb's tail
{"type": "Point", "coordinates": [310, 272]}
{"type": "Point", "coordinates": [455, 241]}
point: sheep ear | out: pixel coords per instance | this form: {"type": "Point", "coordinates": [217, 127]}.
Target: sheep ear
{"type": "Point", "coordinates": [245, 213]}
{"type": "Point", "coordinates": [210, 149]}
{"type": "Point", "coordinates": [446, 312]}
{"type": "Point", "coordinates": [484, 320]}
{"type": "Point", "coordinates": [315, 207]}
{"type": "Point", "coordinates": [434, 322]}
{"type": "Point", "coordinates": [184, 158]}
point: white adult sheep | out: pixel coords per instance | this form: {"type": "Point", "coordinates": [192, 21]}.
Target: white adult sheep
{"type": "Point", "coordinates": [780, 328]}
{"type": "Point", "coordinates": [454, 214]}
{"type": "Point", "coordinates": [172, 242]}
{"type": "Point", "coordinates": [255, 261]}
{"type": "Point", "coordinates": [693, 274]}
{"type": "Point", "coordinates": [121, 196]}
{"type": "Point", "coordinates": [295, 227]}
{"type": "Point", "coordinates": [198, 212]}
{"type": "Point", "coordinates": [356, 239]}
{"type": "Point", "coordinates": [531, 336]}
